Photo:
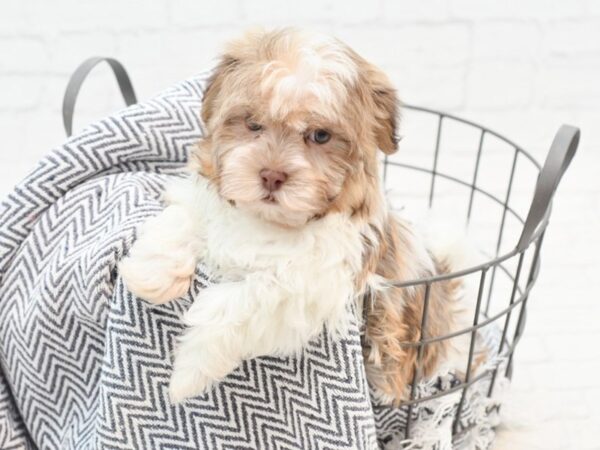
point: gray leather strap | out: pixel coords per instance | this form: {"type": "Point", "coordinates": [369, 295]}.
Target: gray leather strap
{"type": "Point", "coordinates": [559, 157]}
{"type": "Point", "coordinates": [79, 77]}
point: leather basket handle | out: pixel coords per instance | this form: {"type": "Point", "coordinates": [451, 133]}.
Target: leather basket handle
{"type": "Point", "coordinates": [559, 157]}
{"type": "Point", "coordinates": [79, 77]}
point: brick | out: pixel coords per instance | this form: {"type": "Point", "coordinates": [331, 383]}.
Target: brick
{"type": "Point", "coordinates": [12, 124]}
{"type": "Point", "coordinates": [38, 17]}
{"type": "Point", "coordinates": [574, 208]}
{"type": "Point", "coordinates": [560, 321]}
{"type": "Point", "coordinates": [507, 40]}
{"type": "Point", "coordinates": [125, 15]}
{"type": "Point", "coordinates": [278, 13]}
{"type": "Point", "coordinates": [481, 9]}
{"type": "Point", "coordinates": [442, 88]}
{"type": "Point", "coordinates": [356, 11]}
{"type": "Point", "coordinates": [545, 9]}
{"type": "Point", "coordinates": [27, 135]}
{"type": "Point", "coordinates": [194, 13]}
{"type": "Point", "coordinates": [592, 7]}
{"type": "Point", "coordinates": [69, 49]}
{"type": "Point", "coordinates": [578, 251]}
{"type": "Point", "coordinates": [575, 347]}
{"type": "Point", "coordinates": [43, 130]}
{"type": "Point", "coordinates": [592, 397]}
{"type": "Point", "coordinates": [533, 350]}
{"type": "Point", "coordinates": [411, 46]}
{"type": "Point", "coordinates": [569, 83]}
{"type": "Point", "coordinates": [19, 92]}
{"type": "Point", "coordinates": [559, 375]}
{"type": "Point", "coordinates": [23, 55]}
{"type": "Point", "coordinates": [516, 9]}
{"type": "Point", "coordinates": [573, 36]}
{"type": "Point", "coordinates": [497, 85]}
{"type": "Point", "coordinates": [427, 10]}
{"type": "Point", "coordinates": [13, 19]}
{"type": "Point", "coordinates": [188, 51]}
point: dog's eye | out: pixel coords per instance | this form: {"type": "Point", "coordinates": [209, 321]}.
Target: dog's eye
{"type": "Point", "coordinates": [320, 136]}
{"type": "Point", "coordinates": [253, 126]}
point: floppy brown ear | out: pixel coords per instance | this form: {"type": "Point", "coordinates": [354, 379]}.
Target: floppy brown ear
{"type": "Point", "coordinates": [215, 83]}
{"type": "Point", "coordinates": [387, 108]}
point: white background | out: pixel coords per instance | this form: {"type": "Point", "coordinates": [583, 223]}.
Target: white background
{"type": "Point", "coordinates": [520, 67]}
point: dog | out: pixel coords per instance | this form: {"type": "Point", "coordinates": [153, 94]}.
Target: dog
{"type": "Point", "coordinates": [283, 202]}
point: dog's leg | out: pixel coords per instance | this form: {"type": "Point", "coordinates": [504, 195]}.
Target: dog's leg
{"type": "Point", "coordinates": [162, 261]}
{"type": "Point", "coordinates": [234, 321]}
{"type": "Point", "coordinates": [394, 314]}
{"type": "Point", "coordinates": [218, 337]}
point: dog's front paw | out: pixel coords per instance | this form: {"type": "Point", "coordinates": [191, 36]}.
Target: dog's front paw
{"type": "Point", "coordinates": [157, 279]}
{"type": "Point", "coordinates": [187, 383]}
{"type": "Point", "coordinates": [163, 259]}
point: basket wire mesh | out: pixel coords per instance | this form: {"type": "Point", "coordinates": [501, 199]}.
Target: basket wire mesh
{"type": "Point", "coordinates": [515, 260]}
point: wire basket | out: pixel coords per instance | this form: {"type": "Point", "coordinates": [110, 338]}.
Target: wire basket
{"type": "Point", "coordinates": [461, 169]}
{"type": "Point", "coordinates": [470, 171]}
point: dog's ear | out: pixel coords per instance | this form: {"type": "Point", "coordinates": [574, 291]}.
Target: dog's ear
{"type": "Point", "coordinates": [387, 108]}
{"type": "Point", "coordinates": [214, 85]}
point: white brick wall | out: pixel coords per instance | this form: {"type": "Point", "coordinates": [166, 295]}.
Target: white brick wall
{"type": "Point", "coordinates": [522, 67]}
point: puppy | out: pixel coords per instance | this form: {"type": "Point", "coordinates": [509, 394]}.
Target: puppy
{"type": "Point", "coordinates": [283, 202]}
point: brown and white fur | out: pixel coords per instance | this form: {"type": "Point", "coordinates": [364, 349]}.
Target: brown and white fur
{"type": "Point", "coordinates": [284, 203]}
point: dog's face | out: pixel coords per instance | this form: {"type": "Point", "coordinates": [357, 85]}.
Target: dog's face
{"type": "Point", "coordinates": [293, 123]}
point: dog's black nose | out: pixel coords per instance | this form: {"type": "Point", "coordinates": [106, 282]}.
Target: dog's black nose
{"type": "Point", "coordinates": [272, 180]}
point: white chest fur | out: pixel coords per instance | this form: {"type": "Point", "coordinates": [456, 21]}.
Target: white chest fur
{"type": "Point", "coordinates": [235, 243]}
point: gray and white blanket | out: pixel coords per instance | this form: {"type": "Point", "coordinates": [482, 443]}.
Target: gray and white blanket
{"type": "Point", "coordinates": [84, 364]}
